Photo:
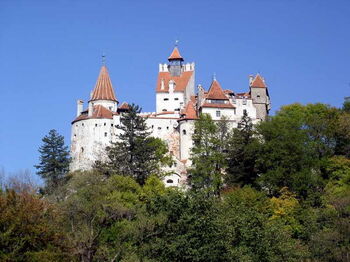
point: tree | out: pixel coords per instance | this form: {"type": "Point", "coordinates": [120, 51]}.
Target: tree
{"type": "Point", "coordinates": [135, 154]}
{"type": "Point", "coordinates": [29, 229]}
{"type": "Point", "coordinates": [54, 161]}
{"type": "Point", "coordinates": [208, 158]}
{"type": "Point", "coordinates": [242, 153]}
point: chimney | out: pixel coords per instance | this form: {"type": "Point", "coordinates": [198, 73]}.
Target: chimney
{"type": "Point", "coordinates": [251, 78]}
{"type": "Point", "coordinates": [80, 104]}
{"type": "Point", "coordinates": [91, 108]}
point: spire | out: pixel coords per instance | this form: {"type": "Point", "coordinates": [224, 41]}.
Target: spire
{"type": "Point", "coordinates": [216, 92]}
{"type": "Point", "coordinates": [103, 89]}
{"type": "Point", "coordinates": [175, 55]}
{"type": "Point", "coordinates": [258, 81]}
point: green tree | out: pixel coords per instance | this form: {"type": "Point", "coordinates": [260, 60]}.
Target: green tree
{"type": "Point", "coordinates": [136, 154]}
{"type": "Point", "coordinates": [249, 233]}
{"type": "Point", "coordinates": [54, 161]}
{"type": "Point", "coordinates": [242, 153]}
{"type": "Point", "coordinates": [208, 158]}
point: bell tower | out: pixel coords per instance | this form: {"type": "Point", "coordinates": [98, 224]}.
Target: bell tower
{"type": "Point", "coordinates": [175, 63]}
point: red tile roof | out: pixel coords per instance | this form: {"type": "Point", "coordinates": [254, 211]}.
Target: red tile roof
{"type": "Point", "coordinates": [180, 81]}
{"type": "Point", "coordinates": [99, 111]}
{"type": "Point", "coordinates": [103, 89]}
{"type": "Point", "coordinates": [258, 82]}
{"type": "Point", "coordinates": [124, 106]}
{"type": "Point", "coordinates": [190, 111]}
{"type": "Point", "coordinates": [216, 92]}
{"type": "Point", "coordinates": [175, 55]}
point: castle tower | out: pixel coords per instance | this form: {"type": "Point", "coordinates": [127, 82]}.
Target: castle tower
{"type": "Point", "coordinates": [260, 96]}
{"type": "Point", "coordinates": [93, 128]}
{"type": "Point", "coordinates": [175, 84]}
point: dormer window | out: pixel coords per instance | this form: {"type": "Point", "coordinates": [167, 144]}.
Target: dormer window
{"type": "Point", "coordinates": [176, 98]}
{"type": "Point", "coordinates": [172, 86]}
{"type": "Point", "coordinates": [166, 99]}
{"type": "Point", "coordinates": [217, 101]}
{"type": "Point", "coordinates": [164, 110]}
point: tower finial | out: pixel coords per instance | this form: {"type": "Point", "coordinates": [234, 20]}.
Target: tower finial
{"type": "Point", "coordinates": [103, 58]}
{"type": "Point", "coordinates": [176, 42]}
{"type": "Point", "coordinates": [214, 76]}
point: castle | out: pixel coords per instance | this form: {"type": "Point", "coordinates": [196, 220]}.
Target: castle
{"type": "Point", "coordinates": [178, 105]}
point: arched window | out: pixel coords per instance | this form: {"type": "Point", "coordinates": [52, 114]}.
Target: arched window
{"type": "Point", "coordinates": [170, 181]}
{"type": "Point", "coordinates": [184, 132]}
{"type": "Point", "coordinates": [105, 134]}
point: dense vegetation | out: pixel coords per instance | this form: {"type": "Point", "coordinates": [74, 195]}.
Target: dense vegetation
{"type": "Point", "coordinates": [279, 191]}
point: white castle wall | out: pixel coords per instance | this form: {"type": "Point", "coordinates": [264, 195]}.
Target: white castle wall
{"type": "Point", "coordinates": [175, 100]}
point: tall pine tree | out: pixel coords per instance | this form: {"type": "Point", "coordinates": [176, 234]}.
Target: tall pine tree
{"type": "Point", "coordinates": [54, 161]}
{"type": "Point", "coordinates": [242, 154]}
{"type": "Point", "coordinates": [135, 154]}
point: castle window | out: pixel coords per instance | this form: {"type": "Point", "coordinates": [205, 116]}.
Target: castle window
{"type": "Point", "coordinates": [82, 124]}
{"type": "Point", "coordinates": [104, 124]}
{"type": "Point", "coordinates": [244, 101]}
{"type": "Point", "coordinates": [82, 149]}
{"type": "Point", "coordinates": [159, 128]}
{"type": "Point", "coordinates": [218, 113]}
{"type": "Point", "coordinates": [177, 109]}
{"type": "Point", "coordinates": [111, 124]}
{"type": "Point", "coordinates": [167, 128]}
{"type": "Point", "coordinates": [170, 181]}
{"type": "Point", "coordinates": [166, 99]}
{"type": "Point", "coordinates": [152, 126]}
{"type": "Point", "coordinates": [234, 110]}
{"type": "Point", "coordinates": [105, 134]}
{"type": "Point", "coordinates": [245, 112]}
{"type": "Point", "coordinates": [164, 110]}
{"type": "Point", "coordinates": [95, 125]}
{"type": "Point", "coordinates": [184, 132]}
{"type": "Point", "coordinates": [176, 98]}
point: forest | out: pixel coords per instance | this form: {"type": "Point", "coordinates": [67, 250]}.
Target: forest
{"type": "Point", "coordinates": [276, 191]}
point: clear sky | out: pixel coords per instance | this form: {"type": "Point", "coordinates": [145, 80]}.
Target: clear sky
{"type": "Point", "coordinates": [50, 56]}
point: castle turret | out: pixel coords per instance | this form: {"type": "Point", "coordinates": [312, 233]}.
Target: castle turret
{"type": "Point", "coordinates": [260, 96]}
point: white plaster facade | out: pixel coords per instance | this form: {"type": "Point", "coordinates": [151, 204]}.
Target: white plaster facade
{"type": "Point", "coordinates": [177, 107]}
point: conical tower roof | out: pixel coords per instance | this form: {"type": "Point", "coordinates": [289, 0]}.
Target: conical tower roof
{"type": "Point", "coordinates": [216, 92]}
{"type": "Point", "coordinates": [103, 89]}
{"type": "Point", "coordinates": [258, 81]}
{"type": "Point", "coordinates": [175, 55]}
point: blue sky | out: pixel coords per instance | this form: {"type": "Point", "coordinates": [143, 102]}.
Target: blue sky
{"type": "Point", "coordinates": [51, 54]}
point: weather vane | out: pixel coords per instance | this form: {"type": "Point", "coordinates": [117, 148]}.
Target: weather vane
{"type": "Point", "coordinates": [176, 42]}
